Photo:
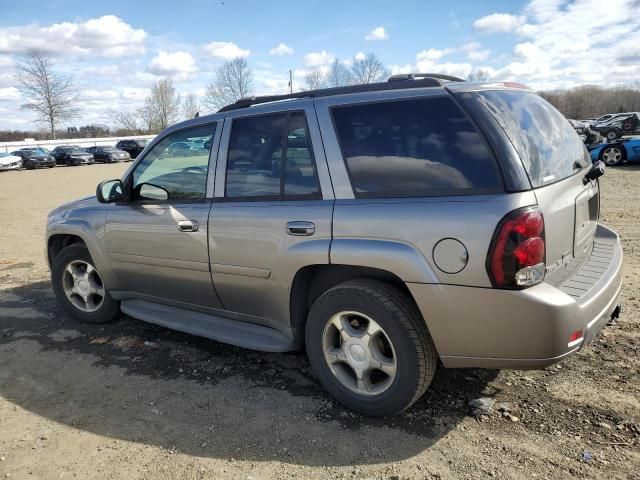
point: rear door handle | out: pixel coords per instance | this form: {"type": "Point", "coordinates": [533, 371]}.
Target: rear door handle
{"type": "Point", "coordinates": [188, 226]}
{"type": "Point", "coordinates": [300, 228]}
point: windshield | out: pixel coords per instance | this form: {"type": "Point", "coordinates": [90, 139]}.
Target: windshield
{"type": "Point", "coordinates": [549, 147]}
{"type": "Point", "coordinates": [75, 150]}
{"type": "Point", "coordinates": [31, 152]}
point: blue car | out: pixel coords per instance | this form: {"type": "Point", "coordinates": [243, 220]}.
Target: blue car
{"type": "Point", "coordinates": [614, 153]}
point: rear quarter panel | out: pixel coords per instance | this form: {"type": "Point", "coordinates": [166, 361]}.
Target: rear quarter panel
{"type": "Point", "coordinates": [399, 235]}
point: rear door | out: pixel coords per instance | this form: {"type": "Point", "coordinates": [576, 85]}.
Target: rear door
{"type": "Point", "coordinates": [272, 208]}
{"type": "Point", "coordinates": [556, 161]}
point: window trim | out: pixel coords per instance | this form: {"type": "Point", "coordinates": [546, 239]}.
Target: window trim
{"type": "Point", "coordinates": [128, 180]}
{"type": "Point", "coordinates": [499, 188]}
{"type": "Point", "coordinates": [280, 197]}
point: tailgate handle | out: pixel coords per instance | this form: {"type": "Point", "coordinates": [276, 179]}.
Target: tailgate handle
{"type": "Point", "coordinates": [301, 228]}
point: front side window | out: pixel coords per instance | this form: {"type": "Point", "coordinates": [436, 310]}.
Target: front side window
{"type": "Point", "coordinates": [176, 166]}
{"type": "Point", "coordinates": [271, 156]}
{"type": "Point", "coordinates": [416, 147]}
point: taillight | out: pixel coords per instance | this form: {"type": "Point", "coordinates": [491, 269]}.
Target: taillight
{"type": "Point", "coordinates": [516, 255]}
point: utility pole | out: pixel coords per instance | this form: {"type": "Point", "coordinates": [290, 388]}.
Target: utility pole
{"type": "Point", "coordinates": [290, 81]}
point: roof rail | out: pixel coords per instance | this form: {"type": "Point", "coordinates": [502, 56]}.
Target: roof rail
{"type": "Point", "coordinates": [413, 76]}
{"type": "Point", "coordinates": [418, 80]}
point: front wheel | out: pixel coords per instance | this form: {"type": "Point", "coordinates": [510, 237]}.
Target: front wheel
{"type": "Point", "coordinates": [369, 347]}
{"type": "Point", "coordinates": [612, 155]}
{"type": "Point", "coordinates": [79, 288]}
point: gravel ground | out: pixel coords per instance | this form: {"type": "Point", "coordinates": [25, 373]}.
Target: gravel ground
{"type": "Point", "coordinates": [136, 401]}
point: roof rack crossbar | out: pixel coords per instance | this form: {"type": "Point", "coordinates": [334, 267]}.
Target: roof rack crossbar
{"type": "Point", "coordinates": [418, 80]}
{"type": "Point", "coordinates": [413, 76]}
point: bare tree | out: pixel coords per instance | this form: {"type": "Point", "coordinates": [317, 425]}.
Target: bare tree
{"type": "Point", "coordinates": [232, 81]}
{"type": "Point", "coordinates": [190, 106]}
{"type": "Point", "coordinates": [369, 69]}
{"type": "Point", "coordinates": [161, 107]}
{"type": "Point", "coordinates": [315, 79]}
{"type": "Point", "coordinates": [123, 120]}
{"type": "Point", "coordinates": [338, 75]}
{"type": "Point", "coordinates": [479, 75]}
{"type": "Point", "coordinates": [50, 95]}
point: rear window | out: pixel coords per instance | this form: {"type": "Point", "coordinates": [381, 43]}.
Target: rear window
{"type": "Point", "coordinates": [548, 145]}
{"type": "Point", "coordinates": [414, 147]}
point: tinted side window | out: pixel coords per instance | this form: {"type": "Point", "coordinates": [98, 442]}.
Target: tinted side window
{"type": "Point", "coordinates": [177, 164]}
{"type": "Point", "coordinates": [271, 156]}
{"type": "Point", "coordinates": [417, 147]}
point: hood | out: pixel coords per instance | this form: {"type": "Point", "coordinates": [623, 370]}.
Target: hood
{"type": "Point", "coordinates": [9, 160]}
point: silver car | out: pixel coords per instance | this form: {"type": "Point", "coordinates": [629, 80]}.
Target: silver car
{"type": "Point", "coordinates": [385, 228]}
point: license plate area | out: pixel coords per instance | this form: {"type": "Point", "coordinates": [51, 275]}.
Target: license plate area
{"type": "Point", "coordinates": [586, 218]}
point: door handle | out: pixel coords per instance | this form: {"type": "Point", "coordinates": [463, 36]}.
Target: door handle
{"type": "Point", "coordinates": [301, 228]}
{"type": "Point", "coordinates": [188, 226]}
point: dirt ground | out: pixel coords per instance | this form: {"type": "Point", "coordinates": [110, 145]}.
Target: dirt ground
{"type": "Point", "coordinates": [136, 401]}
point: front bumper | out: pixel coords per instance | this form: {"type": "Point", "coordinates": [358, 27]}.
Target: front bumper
{"type": "Point", "coordinates": [12, 166]}
{"type": "Point", "coordinates": [493, 328]}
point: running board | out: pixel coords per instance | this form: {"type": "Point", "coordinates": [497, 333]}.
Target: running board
{"type": "Point", "coordinates": [234, 332]}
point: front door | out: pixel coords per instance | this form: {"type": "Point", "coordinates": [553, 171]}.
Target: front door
{"type": "Point", "coordinates": [157, 241]}
{"type": "Point", "coordinates": [270, 216]}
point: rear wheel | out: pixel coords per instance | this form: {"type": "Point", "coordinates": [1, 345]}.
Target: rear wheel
{"type": "Point", "coordinates": [612, 155]}
{"type": "Point", "coordinates": [79, 288]}
{"type": "Point", "coordinates": [612, 134]}
{"type": "Point", "coordinates": [369, 347]}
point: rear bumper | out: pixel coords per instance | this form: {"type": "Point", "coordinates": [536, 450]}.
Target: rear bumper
{"type": "Point", "coordinates": [492, 328]}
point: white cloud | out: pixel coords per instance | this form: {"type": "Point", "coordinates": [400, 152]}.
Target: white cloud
{"type": "Point", "coordinates": [433, 53]}
{"type": "Point", "coordinates": [106, 36]}
{"type": "Point", "coordinates": [281, 49]}
{"type": "Point", "coordinates": [360, 56]}
{"type": "Point", "coordinates": [478, 55]}
{"type": "Point", "coordinates": [226, 50]}
{"type": "Point", "coordinates": [378, 33]}
{"type": "Point", "coordinates": [99, 94]}
{"type": "Point", "coordinates": [135, 93]}
{"type": "Point", "coordinates": [499, 22]}
{"type": "Point", "coordinates": [9, 93]}
{"type": "Point", "coordinates": [172, 64]}
{"type": "Point", "coordinates": [318, 59]}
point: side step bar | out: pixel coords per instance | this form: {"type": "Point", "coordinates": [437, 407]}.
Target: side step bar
{"type": "Point", "coordinates": [234, 332]}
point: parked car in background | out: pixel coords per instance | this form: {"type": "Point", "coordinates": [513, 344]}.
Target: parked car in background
{"type": "Point", "coordinates": [614, 153]}
{"type": "Point", "coordinates": [71, 155]}
{"type": "Point", "coordinates": [588, 136]}
{"type": "Point", "coordinates": [35, 159]}
{"type": "Point", "coordinates": [108, 154]}
{"type": "Point", "coordinates": [132, 147]}
{"type": "Point", "coordinates": [9, 161]}
{"type": "Point", "coordinates": [375, 225]}
{"type": "Point", "coordinates": [618, 125]}
{"type": "Point", "coordinates": [42, 150]}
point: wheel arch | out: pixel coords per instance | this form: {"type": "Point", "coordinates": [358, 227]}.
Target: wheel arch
{"type": "Point", "coordinates": [79, 231]}
{"type": "Point", "coordinates": [311, 281]}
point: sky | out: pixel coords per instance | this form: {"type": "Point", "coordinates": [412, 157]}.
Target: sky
{"type": "Point", "coordinates": [116, 50]}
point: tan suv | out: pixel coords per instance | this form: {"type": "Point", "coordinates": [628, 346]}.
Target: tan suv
{"type": "Point", "coordinates": [384, 227]}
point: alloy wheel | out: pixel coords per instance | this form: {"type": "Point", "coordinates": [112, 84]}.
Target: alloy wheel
{"type": "Point", "coordinates": [359, 353]}
{"type": "Point", "coordinates": [83, 286]}
{"type": "Point", "coordinates": [612, 155]}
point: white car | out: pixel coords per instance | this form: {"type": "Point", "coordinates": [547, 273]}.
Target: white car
{"type": "Point", "coordinates": [10, 162]}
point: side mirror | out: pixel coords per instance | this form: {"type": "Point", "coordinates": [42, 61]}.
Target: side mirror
{"type": "Point", "coordinates": [149, 191]}
{"type": "Point", "coordinates": [110, 191]}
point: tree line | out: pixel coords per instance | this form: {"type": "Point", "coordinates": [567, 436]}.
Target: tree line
{"type": "Point", "coordinates": [52, 98]}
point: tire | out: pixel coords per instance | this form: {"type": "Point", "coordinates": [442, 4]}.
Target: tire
{"type": "Point", "coordinates": [404, 339]}
{"type": "Point", "coordinates": [75, 255]}
{"type": "Point", "coordinates": [612, 155]}
{"type": "Point", "coordinates": [612, 134]}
